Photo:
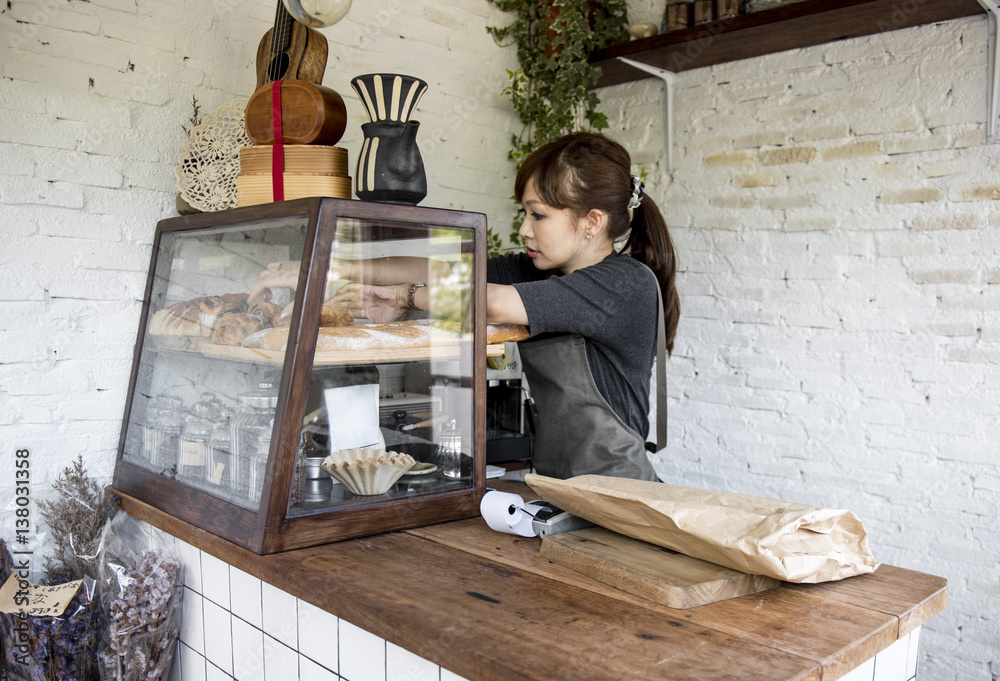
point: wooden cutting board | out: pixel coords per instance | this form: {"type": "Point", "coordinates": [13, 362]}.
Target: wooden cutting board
{"type": "Point", "coordinates": [652, 572]}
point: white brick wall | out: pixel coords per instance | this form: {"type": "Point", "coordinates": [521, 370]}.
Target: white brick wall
{"type": "Point", "coordinates": [835, 210]}
{"type": "Point", "coordinates": [837, 220]}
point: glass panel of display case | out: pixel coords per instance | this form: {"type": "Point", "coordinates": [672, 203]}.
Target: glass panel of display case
{"type": "Point", "coordinates": [193, 418]}
{"type": "Point", "coordinates": [391, 415]}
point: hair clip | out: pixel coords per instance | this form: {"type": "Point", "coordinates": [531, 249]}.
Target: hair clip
{"type": "Point", "coordinates": [638, 187]}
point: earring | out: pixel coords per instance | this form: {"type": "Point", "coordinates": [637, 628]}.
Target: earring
{"type": "Point", "coordinates": [590, 236]}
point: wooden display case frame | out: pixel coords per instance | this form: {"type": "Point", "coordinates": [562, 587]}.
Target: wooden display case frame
{"type": "Point", "coordinates": [268, 529]}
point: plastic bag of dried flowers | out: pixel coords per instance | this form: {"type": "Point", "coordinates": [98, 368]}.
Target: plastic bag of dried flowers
{"type": "Point", "coordinates": [76, 516]}
{"type": "Point", "coordinates": [142, 587]}
{"type": "Point", "coordinates": [45, 648]}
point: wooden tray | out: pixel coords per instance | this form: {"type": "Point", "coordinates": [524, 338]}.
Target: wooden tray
{"type": "Point", "coordinates": [657, 574]}
{"type": "Point", "coordinates": [344, 356]}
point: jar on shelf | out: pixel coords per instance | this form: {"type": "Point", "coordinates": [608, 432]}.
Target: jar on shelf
{"type": "Point", "coordinates": [677, 15]}
{"type": "Point", "coordinates": [219, 467]}
{"type": "Point", "coordinates": [193, 452]}
{"type": "Point", "coordinates": [152, 433]}
{"type": "Point", "coordinates": [168, 443]}
{"type": "Point", "coordinates": [258, 465]}
{"type": "Point", "coordinates": [702, 11]}
{"type": "Point", "coordinates": [449, 452]}
{"type": "Point", "coordinates": [207, 407]}
{"type": "Point", "coordinates": [150, 430]}
{"type": "Point", "coordinates": [727, 9]}
{"type": "Point", "coordinates": [256, 416]}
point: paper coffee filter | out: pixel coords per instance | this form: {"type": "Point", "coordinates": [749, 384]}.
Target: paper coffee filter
{"type": "Point", "coordinates": [367, 471]}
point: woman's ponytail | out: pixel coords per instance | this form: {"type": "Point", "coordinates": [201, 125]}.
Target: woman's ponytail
{"type": "Point", "coordinates": [649, 242]}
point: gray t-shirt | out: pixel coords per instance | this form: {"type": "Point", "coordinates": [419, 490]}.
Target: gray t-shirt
{"type": "Point", "coordinates": [612, 305]}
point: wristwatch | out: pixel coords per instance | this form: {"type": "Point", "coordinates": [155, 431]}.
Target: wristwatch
{"type": "Point", "coordinates": [412, 290]}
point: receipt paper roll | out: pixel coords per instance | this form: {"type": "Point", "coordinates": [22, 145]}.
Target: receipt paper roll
{"type": "Point", "coordinates": [504, 512]}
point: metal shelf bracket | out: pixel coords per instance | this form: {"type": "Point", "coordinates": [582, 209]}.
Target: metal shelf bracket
{"type": "Point", "coordinates": [993, 87]}
{"type": "Point", "coordinates": [668, 127]}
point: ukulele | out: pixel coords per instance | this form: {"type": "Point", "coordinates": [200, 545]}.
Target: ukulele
{"type": "Point", "coordinates": [291, 50]}
{"type": "Point", "coordinates": [310, 113]}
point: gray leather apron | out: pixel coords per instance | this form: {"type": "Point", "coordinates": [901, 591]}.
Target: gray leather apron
{"type": "Point", "coordinates": [577, 432]}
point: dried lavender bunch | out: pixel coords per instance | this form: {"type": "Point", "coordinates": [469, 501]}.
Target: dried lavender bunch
{"type": "Point", "coordinates": [76, 518]}
{"type": "Point", "coordinates": [63, 648]}
{"type": "Point", "coordinates": [144, 621]}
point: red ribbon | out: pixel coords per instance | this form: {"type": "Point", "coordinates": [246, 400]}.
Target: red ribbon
{"type": "Point", "coordinates": [278, 152]}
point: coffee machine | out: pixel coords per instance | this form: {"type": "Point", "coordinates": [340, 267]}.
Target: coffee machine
{"type": "Point", "coordinates": [509, 410]}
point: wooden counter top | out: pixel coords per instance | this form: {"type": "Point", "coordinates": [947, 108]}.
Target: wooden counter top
{"type": "Point", "coordinates": [488, 605]}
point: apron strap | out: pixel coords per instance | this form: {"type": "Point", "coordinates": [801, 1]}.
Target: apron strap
{"type": "Point", "coordinates": [661, 370]}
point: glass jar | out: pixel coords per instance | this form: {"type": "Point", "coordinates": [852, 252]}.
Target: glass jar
{"type": "Point", "coordinates": [207, 407]}
{"type": "Point", "coordinates": [256, 416]}
{"type": "Point", "coordinates": [701, 11]}
{"type": "Point", "coordinates": [726, 9]}
{"type": "Point", "coordinates": [162, 407]}
{"type": "Point", "coordinates": [258, 465]}
{"type": "Point", "coordinates": [194, 450]}
{"type": "Point", "coordinates": [168, 443]}
{"type": "Point", "coordinates": [150, 430]}
{"type": "Point", "coordinates": [449, 452]}
{"type": "Point", "coordinates": [219, 467]}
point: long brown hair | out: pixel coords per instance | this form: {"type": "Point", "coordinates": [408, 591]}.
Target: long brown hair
{"type": "Point", "coordinates": [583, 171]}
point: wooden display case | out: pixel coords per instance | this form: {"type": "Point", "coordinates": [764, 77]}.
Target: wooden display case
{"type": "Point", "coordinates": [283, 409]}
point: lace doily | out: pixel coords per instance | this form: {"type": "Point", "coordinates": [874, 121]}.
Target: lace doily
{"type": "Point", "coordinates": [207, 170]}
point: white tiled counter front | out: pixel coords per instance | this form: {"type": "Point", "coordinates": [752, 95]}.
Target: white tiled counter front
{"type": "Point", "coordinates": [235, 626]}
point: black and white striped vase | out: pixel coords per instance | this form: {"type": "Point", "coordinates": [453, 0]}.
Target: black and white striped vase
{"type": "Point", "coordinates": [389, 167]}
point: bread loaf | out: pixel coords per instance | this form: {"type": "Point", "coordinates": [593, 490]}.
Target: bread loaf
{"type": "Point", "coordinates": [499, 333]}
{"type": "Point", "coordinates": [179, 319]}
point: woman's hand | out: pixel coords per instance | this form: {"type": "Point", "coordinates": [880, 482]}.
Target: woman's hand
{"type": "Point", "coordinates": [283, 274]}
{"type": "Point", "coordinates": [379, 304]}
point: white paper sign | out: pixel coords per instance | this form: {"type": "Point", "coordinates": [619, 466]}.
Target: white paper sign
{"type": "Point", "coordinates": [353, 413]}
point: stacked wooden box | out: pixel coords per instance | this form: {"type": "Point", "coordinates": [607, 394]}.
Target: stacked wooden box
{"type": "Point", "coordinates": [310, 170]}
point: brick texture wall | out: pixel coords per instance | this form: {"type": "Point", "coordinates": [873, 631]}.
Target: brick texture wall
{"type": "Point", "coordinates": [837, 216]}
{"type": "Point", "coordinates": [835, 211]}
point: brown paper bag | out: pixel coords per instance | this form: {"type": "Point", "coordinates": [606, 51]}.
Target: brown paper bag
{"type": "Point", "coordinates": [782, 539]}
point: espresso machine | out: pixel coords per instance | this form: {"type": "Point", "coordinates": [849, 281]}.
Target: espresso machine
{"type": "Point", "coordinates": [509, 411]}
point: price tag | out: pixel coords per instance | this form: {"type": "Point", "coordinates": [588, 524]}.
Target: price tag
{"type": "Point", "coordinates": [21, 597]}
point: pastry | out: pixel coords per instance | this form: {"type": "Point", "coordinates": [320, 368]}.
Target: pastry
{"type": "Point", "coordinates": [268, 313]}
{"type": "Point", "coordinates": [219, 305]}
{"type": "Point", "coordinates": [232, 328]}
{"type": "Point", "coordinates": [213, 307]}
{"type": "Point", "coordinates": [499, 333]}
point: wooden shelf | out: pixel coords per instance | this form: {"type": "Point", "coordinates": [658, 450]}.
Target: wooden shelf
{"type": "Point", "coordinates": [801, 24]}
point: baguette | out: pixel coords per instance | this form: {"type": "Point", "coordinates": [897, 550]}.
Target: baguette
{"type": "Point", "coordinates": [394, 335]}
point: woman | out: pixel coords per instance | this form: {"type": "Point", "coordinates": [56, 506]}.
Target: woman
{"type": "Point", "coordinates": [593, 310]}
